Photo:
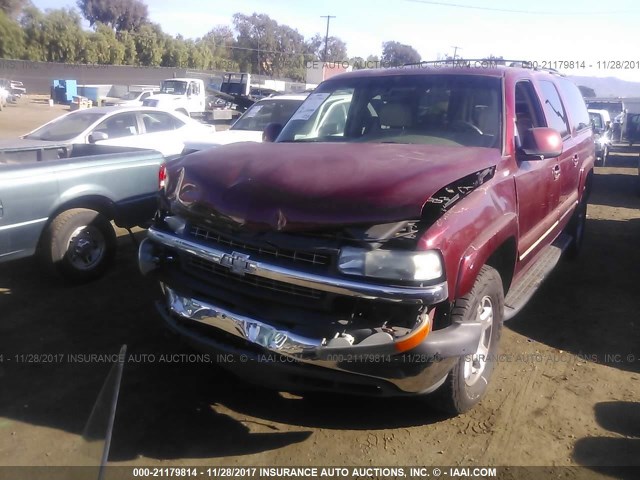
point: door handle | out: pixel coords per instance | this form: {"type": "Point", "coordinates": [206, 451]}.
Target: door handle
{"type": "Point", "coordinates": [575, 160]}
{"type": "Point", "coordinates": [556, 172]}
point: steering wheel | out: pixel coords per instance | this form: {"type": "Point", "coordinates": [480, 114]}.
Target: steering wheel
{"type": "Point", "coordinates": [466, 126]}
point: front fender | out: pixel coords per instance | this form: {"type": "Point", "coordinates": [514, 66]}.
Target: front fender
{"type": "Point", "coordinates": [474, 228]}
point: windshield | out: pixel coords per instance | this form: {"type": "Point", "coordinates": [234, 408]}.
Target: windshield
{"type": "Point", "coordinates": [456, 110]}
{"type": "Point", "coordinates": [265, 112]}
{"type": "Point", "coordinates": [174, 87]}
{"type": "Point", "coordinates": [66, 128]}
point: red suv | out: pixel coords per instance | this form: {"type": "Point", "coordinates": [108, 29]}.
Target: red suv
{"type": "Point", "coordinates": [378, 244]}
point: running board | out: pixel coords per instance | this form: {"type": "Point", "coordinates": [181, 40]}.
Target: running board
{"type": "Point", "coordinates": [520, 293]}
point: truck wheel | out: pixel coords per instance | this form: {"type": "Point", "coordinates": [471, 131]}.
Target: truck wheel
{"type": "Point", "coordinates": [576, 228]}
{"type": "Point", "coordinates": [467, 382]}
{"type": "Point", "coordinates": [79, 244]}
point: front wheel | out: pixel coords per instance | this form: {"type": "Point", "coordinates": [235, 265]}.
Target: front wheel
{"type": "Point", "coordinates": [79, 244]}
{"type": "Point", "coordinates": [467, 382]}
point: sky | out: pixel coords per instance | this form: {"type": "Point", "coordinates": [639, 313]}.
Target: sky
{"type": "Point", "coordinates": [549, 32]}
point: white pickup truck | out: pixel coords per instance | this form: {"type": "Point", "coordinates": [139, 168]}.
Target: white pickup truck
{"type": "Point", "coordinates": [185, 95]}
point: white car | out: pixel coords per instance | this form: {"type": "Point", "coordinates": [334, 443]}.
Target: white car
{"type": "Point", "coordinates": [131, 99]}
{"type": "Point", "coordinates": [141, 127]}
{"type": "Point", "coordinates": [601, 124]}
{"type": "Point", "coordinates": [249, 127]}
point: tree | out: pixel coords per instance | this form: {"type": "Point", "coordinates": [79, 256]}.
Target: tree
{"type": "Point", "coordinates": [176, 52]}
{"type": "Point", "coordinates": [56, 36]}
{"type": "Point", "coordinates": [219, 43]}
{"type": "Point", "coordinates": [12, 8]}
{"type": "Point", "coordinates": [336, 49]}
{"type": "Point", "coordinates": [396, 53]}
{"type": "Point", "coordinates": [150, 44]}
{"type": "Point", "coordinates": [126, 39]}
{"type": "Point", "coordinates": [118, 14]}
{"type": "Point", "coordinates": [11, 38]}
{"type": "Point", "coordinates": [262, 46]}
{"type": "Point", "coordinates": [358, 63]}
{"type": "Point", "coordinates": [103, 47]}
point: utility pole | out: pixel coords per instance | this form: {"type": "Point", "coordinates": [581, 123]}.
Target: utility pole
{"type": "Point", "coordinates": [326, 38]}
{"type": "Point", "coordinates": [455, 51]}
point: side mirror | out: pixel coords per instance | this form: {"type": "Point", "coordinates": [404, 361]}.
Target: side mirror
{"type": "Point", "coordinates": [271, 132]}
{"type": "Point", "coordinates": [540, 143]}
{"type": "Point", "coordinates": [97, 137]}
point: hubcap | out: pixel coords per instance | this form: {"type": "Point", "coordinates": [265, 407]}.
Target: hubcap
{"type": "Point", "coordinates": [86, 247]}
{"type": "Point", "coordinates": [475, 364]}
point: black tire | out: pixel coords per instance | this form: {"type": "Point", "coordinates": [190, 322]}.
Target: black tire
{"type": "Point", "coordinates": [576, 228]}
{"type": "Point", "coordinates": [467, 383]}
{"type": "Point", "coordinates": [79, 244]}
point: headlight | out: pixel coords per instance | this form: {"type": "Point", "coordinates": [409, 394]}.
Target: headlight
{"type": "Point", "coordinates": [390, 264]}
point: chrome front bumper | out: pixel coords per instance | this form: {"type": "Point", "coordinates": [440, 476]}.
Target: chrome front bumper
{"type": "Point", "coordinates": [411, 373]}
{"type": "Point", "coordinates": [242, 265]}
{"type": "Point", "coordinates": [380, 358]}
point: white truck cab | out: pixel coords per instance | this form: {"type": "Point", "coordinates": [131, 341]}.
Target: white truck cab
{"type": "Point", "coordinates": [185, 95]}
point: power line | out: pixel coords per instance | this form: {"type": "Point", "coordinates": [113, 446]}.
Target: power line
{"type": "Point", "coordinates": [508, 10]}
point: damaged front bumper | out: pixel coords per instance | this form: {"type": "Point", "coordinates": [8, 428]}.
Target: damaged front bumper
{"type": "Point", "coordinates": [384, 362]}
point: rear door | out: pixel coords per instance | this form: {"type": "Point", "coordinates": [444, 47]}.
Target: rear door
{"type": "Point", "coordinates": [578, 147]}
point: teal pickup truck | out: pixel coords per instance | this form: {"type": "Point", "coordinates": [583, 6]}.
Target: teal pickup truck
{"type": "Point", "coordinates": [59, 201]}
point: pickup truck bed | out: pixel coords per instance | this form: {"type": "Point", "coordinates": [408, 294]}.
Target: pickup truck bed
{"type": "Point", "coordinates": [58, 200]}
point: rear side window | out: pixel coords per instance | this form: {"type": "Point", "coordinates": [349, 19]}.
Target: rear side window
{"type": "Point", "coordinates": [578, 115]}
{"type": "Point", "coordinates": [553, 109]}
{"type": "Point", "coordinates": [159, 122]}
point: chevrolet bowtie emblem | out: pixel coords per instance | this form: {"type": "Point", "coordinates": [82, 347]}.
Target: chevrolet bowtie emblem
{"type": "Point", "coordinates": [238, 263]}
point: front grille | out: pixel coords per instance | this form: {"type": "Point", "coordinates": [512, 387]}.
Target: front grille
{"type": "Point", "coordinates": [297, 256]}
{"type": "Point", "coordinates": [266, 283]}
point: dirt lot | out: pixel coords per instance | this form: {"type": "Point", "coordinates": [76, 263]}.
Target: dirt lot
{"type": "Point", "coordinates": [567, 392]}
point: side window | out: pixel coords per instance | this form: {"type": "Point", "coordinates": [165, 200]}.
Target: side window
{"type": "Point", "coordinates": [121, 125]}
{"type": "Point", "coordinates": [144, 95]}
{"type": "Point", "coordinates": [159, 122]}
{"type": "Point", "coordinates": [528, 110]}
{"type": "Point", "coordinates": [576, 106]}
{"type": "Point", "coordinates": [553, 109]}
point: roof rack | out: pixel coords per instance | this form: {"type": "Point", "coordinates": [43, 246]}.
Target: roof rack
{"type": "Point", "coordinates": [485, 62]}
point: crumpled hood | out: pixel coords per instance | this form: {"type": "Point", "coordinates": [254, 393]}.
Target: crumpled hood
{"type": "Point", "coordinates": [298, 186]}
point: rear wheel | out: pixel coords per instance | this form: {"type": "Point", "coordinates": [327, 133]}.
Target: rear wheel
{"type": "Point", "coordinates": [467, 382]}
{"type": "Point", "coordinates": [79, 244]}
